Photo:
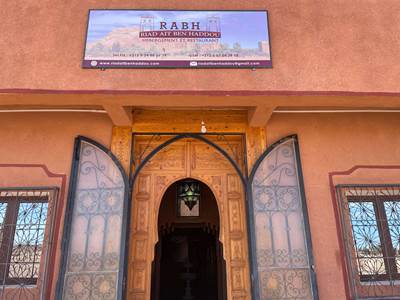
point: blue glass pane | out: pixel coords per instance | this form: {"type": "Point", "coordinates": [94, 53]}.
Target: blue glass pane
{"type": "Point", "coordinates": [28, 240]}
{"type": "Point", "coordinates": [392, 209]}
{"type": "Point", "coordinates": [366, 238]}
{"type": "Point", "coordinates": [3, 208]}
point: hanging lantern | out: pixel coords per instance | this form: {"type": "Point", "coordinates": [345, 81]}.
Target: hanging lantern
{"type": "Point", "coordinates": [189, 193]}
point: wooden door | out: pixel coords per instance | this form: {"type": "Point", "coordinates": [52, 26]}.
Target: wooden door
{"type": "Point", "coordinates": [182, 159]}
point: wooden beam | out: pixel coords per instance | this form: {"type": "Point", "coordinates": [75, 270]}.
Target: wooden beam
{"type": "Point", "coordinates": [119, 115]}
{"type": "Point", "coordinates": [189, 120]}
{"type": "Point", "coordinates": [259, 115]}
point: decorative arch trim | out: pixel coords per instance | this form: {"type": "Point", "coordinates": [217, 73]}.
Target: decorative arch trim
{"type": "Point", "coordinates": [169, 184]}
{"type": "Point", "coordinates": [178, 137]}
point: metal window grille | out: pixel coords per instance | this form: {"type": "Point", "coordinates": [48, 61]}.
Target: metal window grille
{"type": "Point", "coordinates": [26, 217]}
{"type": "Point", "coordinates": [370, 218]}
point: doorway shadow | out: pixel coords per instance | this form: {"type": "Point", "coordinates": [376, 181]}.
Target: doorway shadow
{"type": "Point", "coordinates": [188, 262]}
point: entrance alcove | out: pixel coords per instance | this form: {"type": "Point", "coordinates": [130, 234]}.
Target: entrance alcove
{"type": "Point", "coordinates": [158, 168]}
{"type": "Point", "coordinates": [188, 261]}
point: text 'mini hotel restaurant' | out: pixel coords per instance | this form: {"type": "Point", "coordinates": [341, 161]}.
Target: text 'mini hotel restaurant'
{"type": "Point", "coordinates": [212, 150]}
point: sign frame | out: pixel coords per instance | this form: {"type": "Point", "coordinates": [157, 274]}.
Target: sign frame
{"type": "Point", "coordinates": [268, 66]}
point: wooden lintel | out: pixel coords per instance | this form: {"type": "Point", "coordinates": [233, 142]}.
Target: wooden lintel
{"type": "Point", "coordinates": [119, 115]}
{"type": "Point", "coordinates": [259, 115]}
{"type": "Point", "coordinates": [189, 120]}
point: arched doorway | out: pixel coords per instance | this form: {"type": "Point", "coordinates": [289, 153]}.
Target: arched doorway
{"type": "Point", "coordinates": [188, 261]}
{"type": "Point", "coordinates": [98, 195]}
{"type": "Point", "coordinates": [173, 159]}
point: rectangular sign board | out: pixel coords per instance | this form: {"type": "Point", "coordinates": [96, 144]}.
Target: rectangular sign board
{"type": "Point", "coordinates": [177, 39]}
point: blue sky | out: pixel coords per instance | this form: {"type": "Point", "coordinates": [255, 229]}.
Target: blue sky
{"type": "Point", "coordinates": [244, 27]}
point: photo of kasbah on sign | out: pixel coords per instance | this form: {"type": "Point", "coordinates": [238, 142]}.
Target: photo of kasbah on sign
{"type": "Point", "coordinates": [177, 39]}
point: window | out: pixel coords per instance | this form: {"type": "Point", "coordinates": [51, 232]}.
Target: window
{"type": "Point", "coordinates": [371, 223]}
{"type": "Point", "coordinates": [23, 218]}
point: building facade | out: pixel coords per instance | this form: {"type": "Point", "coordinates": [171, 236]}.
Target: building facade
{"type": "Point", "coordinates": [276, 183]}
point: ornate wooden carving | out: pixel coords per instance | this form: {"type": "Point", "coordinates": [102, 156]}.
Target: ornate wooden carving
{"type": "Point", "coordinates": [188, 158]}
{"type": "Point", "coordinates": [171, 158]}
{"type": "Point", "coordinates": [255, 144]}
{"type": "Point", "coordinates": [121, 145]}
{"type": "Point", "coordinates": [204, 157]}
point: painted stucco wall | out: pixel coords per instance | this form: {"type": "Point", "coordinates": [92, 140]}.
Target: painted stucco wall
{"type": "Point", "coordinates": [316, 45]}
{"type": "Point", "coordinates": [330, 143]}
{"type": "Point", "coordinates": [48, 138]}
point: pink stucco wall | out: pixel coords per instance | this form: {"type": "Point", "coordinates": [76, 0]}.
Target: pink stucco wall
{"type": "Point", "coordinates": [316, 45]}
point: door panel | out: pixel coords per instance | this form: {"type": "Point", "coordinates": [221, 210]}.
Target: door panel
{"type": "Point", "coordinates": [280, 234]}
{"type": "Point", "coordinates": [94, 234]}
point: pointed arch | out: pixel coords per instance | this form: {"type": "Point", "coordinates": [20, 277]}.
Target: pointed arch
{"type": "Point", "coordinates": [93, 255]}
{"type": "Point", "coordinates": [181, 136]}
{"type": "Point", "coordinates": [229, 186]}
{"type": "Point", "coordinates": [280, 240]}
{"type": "Point", "coordinates": [218, 200]}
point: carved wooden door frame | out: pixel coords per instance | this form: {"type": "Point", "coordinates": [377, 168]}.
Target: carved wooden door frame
{"type": "Point", "coordinates": [232, 212]}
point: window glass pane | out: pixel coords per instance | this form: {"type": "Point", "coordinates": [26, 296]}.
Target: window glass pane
{"type": "Point", "coordinates": [392, 209]}
{"type": "Point", "coordinates": [28, 240]}
{"type": "Point", "coordinates": [92, 268]}
{"type": "Point", "coordinates": [366, 238]}
{"type": "Point", "coordinates": [280, 240]}
{"type": "Point", "coordinates": [3, 208]}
